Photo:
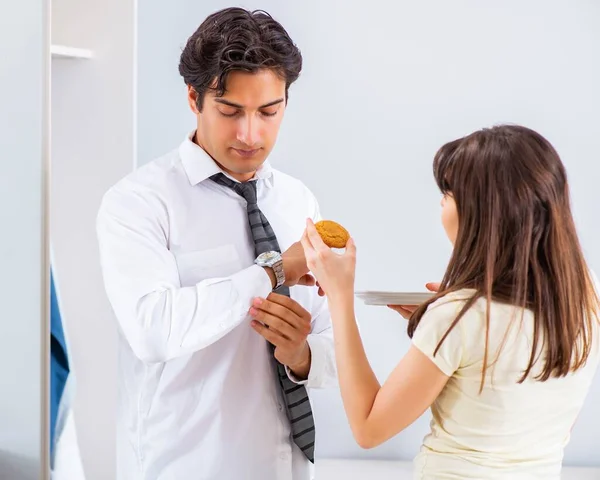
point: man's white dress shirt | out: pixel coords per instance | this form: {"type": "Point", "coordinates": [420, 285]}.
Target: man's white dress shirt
{"type": "Point", "coordinates": [198, 393]}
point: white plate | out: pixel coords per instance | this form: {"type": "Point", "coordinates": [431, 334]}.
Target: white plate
{"type": "Point", "coordinates": [371, 297]}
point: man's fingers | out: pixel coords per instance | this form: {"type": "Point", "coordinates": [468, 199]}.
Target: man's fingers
{"type": "Point", "coordinates": [287, 303]}
{"type": "Point", "coordinates": [287, 322]}
{"type": "Point", "coordinates": [275, 323]}
{"type": "Point", "coordinates": [269, 334]}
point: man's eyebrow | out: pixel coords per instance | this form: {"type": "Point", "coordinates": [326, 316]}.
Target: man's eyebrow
{"type": "Point", "coordinates": [270, 104]}
{"type": "Point", "coordinates": [237, 105]}
{"type": "Point", "coordinates": [227, 102]}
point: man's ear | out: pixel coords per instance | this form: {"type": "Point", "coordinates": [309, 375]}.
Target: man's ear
{"type": "Point", "coordinates": [193, 99]}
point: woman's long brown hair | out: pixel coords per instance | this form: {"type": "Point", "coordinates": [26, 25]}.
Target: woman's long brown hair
{"type": "Point", "coordinates": [517, 242]}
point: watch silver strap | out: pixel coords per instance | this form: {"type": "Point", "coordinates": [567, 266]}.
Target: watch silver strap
{"type": "Point", "coordinates": [279, 273]}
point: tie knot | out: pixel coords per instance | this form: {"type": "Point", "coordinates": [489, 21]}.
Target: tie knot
{"type": "Point", "coordinates": [247, 190]}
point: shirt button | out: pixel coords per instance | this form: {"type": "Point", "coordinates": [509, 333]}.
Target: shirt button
{"type": "Point", "coordinates": [283, 456]}
{"type": "Point", "coordinates": [280, 407]}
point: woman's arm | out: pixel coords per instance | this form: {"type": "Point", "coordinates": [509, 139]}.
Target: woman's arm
{"type": "Point", "coordinates": [377, 413]}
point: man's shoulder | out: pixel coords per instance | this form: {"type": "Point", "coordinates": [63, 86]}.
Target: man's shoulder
{"type": "Point", "coordinates": [146, 183]}
{"type": "Point", "coordinates": [292, 185]}
{"type": "Point", "coordinates": [152, 176]}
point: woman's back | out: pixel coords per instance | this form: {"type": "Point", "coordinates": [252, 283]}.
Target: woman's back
{"type": "Point", "coordinates": [509, 430]}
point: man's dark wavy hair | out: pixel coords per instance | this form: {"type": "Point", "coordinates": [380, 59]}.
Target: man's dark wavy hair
{"type": "Point", "coordinates": [237, 39]}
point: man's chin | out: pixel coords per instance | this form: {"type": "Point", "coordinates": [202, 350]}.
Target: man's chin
{"type": "Point", "coordinates": [247, 166]}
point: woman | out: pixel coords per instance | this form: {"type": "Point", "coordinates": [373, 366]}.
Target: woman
{"type": "Point", "coordinates": [505, 352]}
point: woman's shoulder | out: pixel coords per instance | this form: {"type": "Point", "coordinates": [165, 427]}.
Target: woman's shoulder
{"type": "Point", "coordinates": [451, 301]}
{"type": "Point", "coordinates": [444, 310]}
{"type": "Point", "coordinates": [452, 304]}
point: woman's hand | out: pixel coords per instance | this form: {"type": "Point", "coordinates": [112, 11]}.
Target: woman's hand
{"type": "Point", "coordinates": [334, 272]}
{"type": "Point", "coordinates": [407, 310]}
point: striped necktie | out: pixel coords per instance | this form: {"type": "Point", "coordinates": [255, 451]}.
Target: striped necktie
{"type": "Point", "coordinates": [295, 396]}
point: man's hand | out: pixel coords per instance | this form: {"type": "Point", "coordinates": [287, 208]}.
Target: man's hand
{"type": "Point", "coordinates": [295, 268]}
{"type": "Point", "coordinates": [286, 324]}
{"type": "Point", "coordinates": [407, 310]}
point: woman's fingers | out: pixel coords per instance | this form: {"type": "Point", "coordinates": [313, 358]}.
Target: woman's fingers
{"type": "Point", "coordinates": [405, 310]}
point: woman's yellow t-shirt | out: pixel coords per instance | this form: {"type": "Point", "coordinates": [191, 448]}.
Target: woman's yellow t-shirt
{"type": "Point", "coordinates": [509, 431]}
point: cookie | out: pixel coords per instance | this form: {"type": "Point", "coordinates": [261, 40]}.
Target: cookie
{"type": "Point", "coordinates": [332, 233]}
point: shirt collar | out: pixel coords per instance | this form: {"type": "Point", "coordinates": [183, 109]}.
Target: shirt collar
{"type": "Point", "coordinates": [199, 165]}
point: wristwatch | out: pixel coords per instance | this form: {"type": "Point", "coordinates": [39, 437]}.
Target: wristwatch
{"type": "Point", "coordinates": [274, 261]}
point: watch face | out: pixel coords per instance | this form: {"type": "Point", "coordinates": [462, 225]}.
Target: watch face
{"type": "Point", "coordinates": [266, 256]}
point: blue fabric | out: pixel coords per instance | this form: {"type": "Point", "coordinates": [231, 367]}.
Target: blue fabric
{"type": "Point", "coordinates": [59, 363]}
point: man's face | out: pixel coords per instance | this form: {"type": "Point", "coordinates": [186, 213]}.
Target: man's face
{"type": "Point", "coordinates": [239, 129]}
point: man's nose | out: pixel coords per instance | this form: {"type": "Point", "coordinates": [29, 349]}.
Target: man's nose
{"type": "Point", "coordinates": [248, 131]}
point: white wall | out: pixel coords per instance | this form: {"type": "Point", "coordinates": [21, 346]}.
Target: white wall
{"type": "Point", "coordinates": [24, 336]}
{"type": "Point", "coordinates": [382, 88]}
{"type": "Point", "coordinates": [93, 141]}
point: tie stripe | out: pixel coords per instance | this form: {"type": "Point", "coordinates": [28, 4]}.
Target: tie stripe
{"type": "Point", "coordinates": [293, 389]}
{"type": "Point", "coordinates": [301, 417]}
{"type": "Point", "coordinates": [295, 396]}
{"type": "Point", "coordinates": [309, 429]}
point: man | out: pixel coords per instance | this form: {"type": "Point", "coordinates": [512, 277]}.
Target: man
{"type": "Point", "coordinates": [190, 251]}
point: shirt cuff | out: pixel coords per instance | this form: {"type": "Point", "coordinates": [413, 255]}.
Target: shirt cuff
{"type": "Point", "coordinates": [252, 282]}
{"type": "Point", "coordinates": [317, 363]}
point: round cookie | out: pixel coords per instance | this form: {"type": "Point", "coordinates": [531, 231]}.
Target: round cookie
{"type": "Point", "coordinates": [332, 233]}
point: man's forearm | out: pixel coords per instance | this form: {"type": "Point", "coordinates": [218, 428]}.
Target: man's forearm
{"type": "Point", "coordinates": [167, 324]}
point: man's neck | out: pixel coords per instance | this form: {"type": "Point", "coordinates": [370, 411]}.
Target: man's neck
{"type": "Point", "coordinates": [240, 177]}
